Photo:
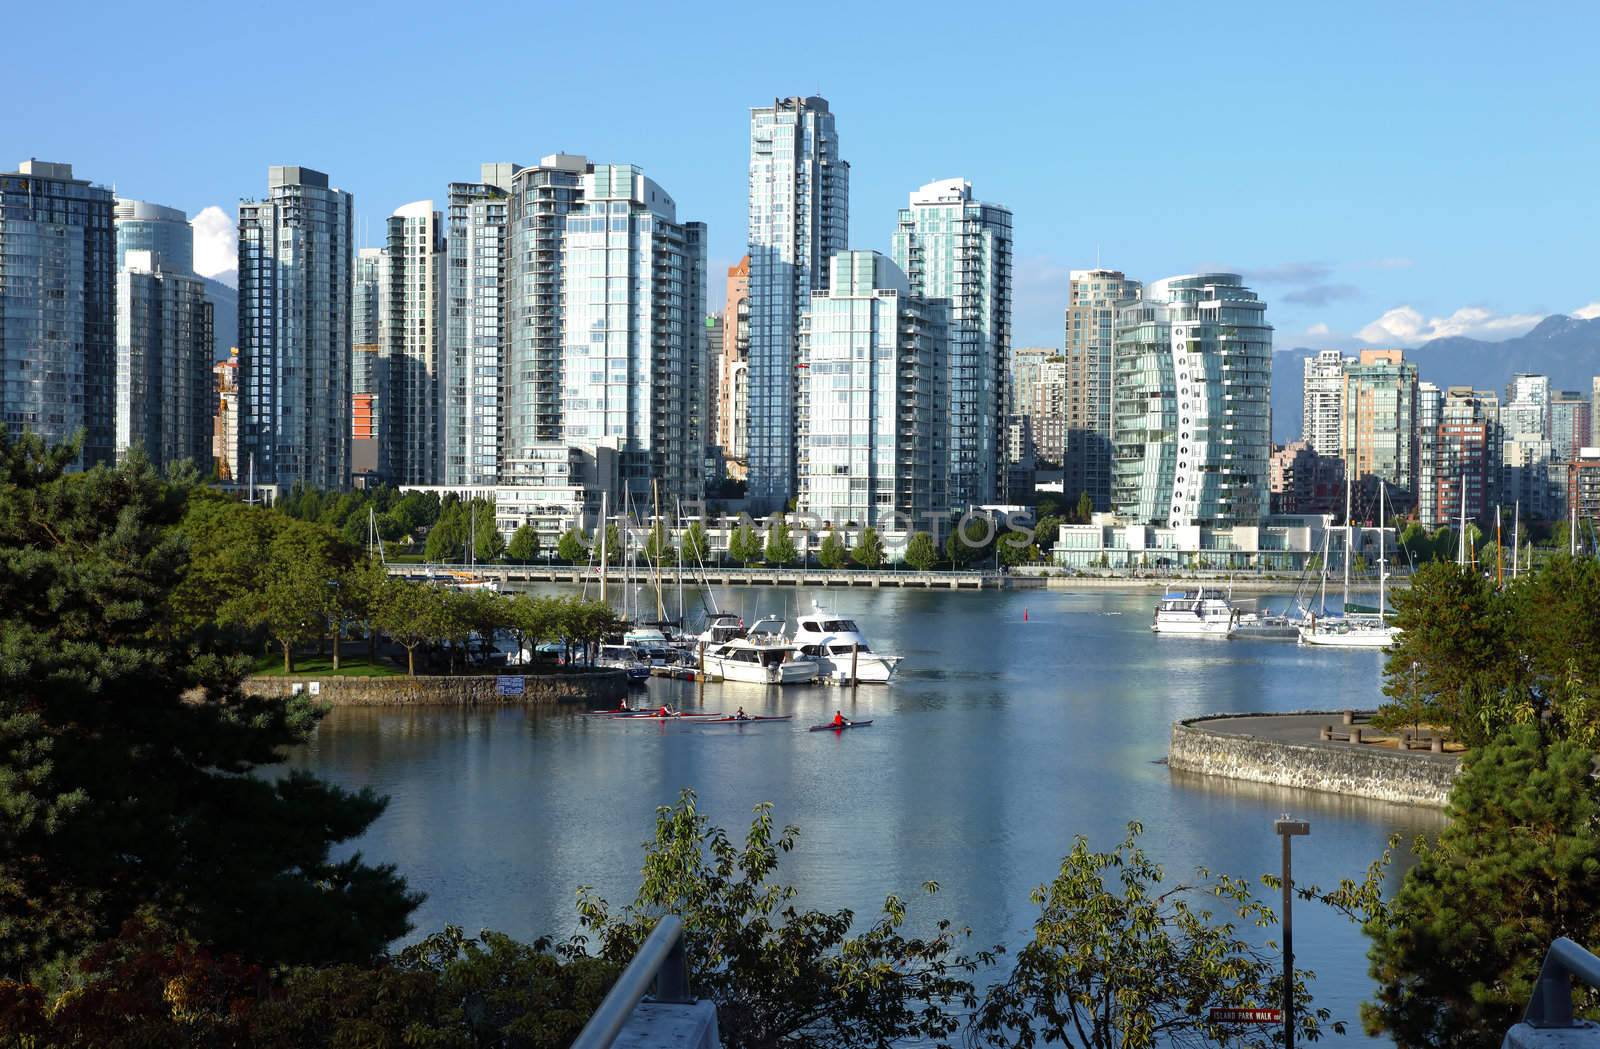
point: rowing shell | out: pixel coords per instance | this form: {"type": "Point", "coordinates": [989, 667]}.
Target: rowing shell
{"type": "Point", "coordinates": [831, 727]}
{"type": "Point", "coordinates": [743, 720]}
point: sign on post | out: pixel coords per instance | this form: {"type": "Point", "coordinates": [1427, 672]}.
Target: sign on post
{"type": "Point", "coordinates": [1246, 1016]}
{"type": "Point", "coordinates": [509, 685]}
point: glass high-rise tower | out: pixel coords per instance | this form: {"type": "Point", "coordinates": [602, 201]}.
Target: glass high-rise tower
{"type": "Point", "coordinates": [957, 251]}
{"type": "Point", "coordinates": [1192, 384]}
{"type": "Point", "coordinates": [475, 325]}
{"type": "Point", "coordinates": [58, 307]}
{"type": "Point", "coordinates": [163, 231]}
{"type": "Point", "coordinates": [294, 330]}
{"type": "Point", "coordinates": [1093, 299]}
{"type": "Point", "coordinates": [540, 199]}
{"type": "Point", "coordinates": [634, 342]}
{"type": "Point", "coordinates": [164, 366]}
{"type": "Point", "coordinates": [799, 219]}
{"type": "Point", "coordinates": [409, 304]}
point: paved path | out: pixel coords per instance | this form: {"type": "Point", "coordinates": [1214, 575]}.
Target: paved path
{"type": "Point", "coordinates": [1303, 729]}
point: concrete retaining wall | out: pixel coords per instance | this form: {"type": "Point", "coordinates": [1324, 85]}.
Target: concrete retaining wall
{"type": "Point", "coordinates": [1362, 771]}
{"type": "Point", "coordinates": [602, 688]}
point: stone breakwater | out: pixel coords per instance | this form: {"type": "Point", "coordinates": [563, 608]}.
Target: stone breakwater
{"type": "Point", "coordinates": [602, 688]}
{"type": "Point", "coordinates": [1285, 750]}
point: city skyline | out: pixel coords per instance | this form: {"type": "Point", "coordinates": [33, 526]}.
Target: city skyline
{"type": "Point", "coordinates": [1360, 201]}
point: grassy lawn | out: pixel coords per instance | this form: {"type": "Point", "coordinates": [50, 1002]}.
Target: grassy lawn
{"type": "Point", "coordinates": [350, 665]}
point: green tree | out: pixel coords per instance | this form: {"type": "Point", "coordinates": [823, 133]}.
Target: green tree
{"type": "Point", "coordinates": [447, 539]}
{"type": "Point", "coordinates": [1047, 531]}
{"type": "Point", "coordinates": [695, 546]}
{"type": "Point", "coordinates": [832, 554]}
{"type": "Point", "coordinates": [125, 753]}
{"type": "Point", "coordinates": [921, 554]}
{"type": "Point", "coordinates": [409, 614]}
{"type": "Point", "coordinates": [362, 588]}
{"type": "Point", "coordinates": [524, 546]}
{"type": "Point", "coordinates": [779, 976]}
{"type": "Point", "coordinates": [487, 542]}
{"type": "Point", "coordinates": [531, 620]}
{"type": "Point", "coordinates": [744, 545]}
{"type": "Point", "coordinates": [970, 542]}
{"type": "Point", "coordinates": [658, 544]}
{"type": "Point", "coordinates": [780, 543]}
{"type": "Point", "coordinates": [1122, 959]}
{"type": "Point", "coordinates": [229, 550]}
{"type": "Point", "coordinates": [868, 551]}
{"type": "Point", "coordinates": [571, 547]}
{"type": "Point", "coordinates": [1457, 952]}
{"type": "Point", "coordinates": [1085, 509]}
{"type": "Point", "coordinates": [613, 551]}
{"type": "Point", "coordinates": [300, 599]}
{"type": "Point", "coordinates": [1455, 629]}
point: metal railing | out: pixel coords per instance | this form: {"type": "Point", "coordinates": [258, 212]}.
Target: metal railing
{"type": "Point", "coordinates": [660, 964]}
{"type": "Point", "coordinates": [1551, 1003]}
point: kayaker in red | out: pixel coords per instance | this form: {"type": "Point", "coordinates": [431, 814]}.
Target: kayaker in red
{"type": "Point", "coordinates": [741, 715]}
{"type": "Point", "coordinates": [665, 711]}
{"type": "Point", "coordinates": [838, 719]}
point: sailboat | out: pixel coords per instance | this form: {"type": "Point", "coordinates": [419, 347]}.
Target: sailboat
{"type": "Point", "coordinates": [1356, 629]}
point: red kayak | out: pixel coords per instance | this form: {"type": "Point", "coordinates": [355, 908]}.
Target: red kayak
{"type": "Point", "coordinates": [831, 727]}
{"type": "Point", "coordinates": [740, 721]}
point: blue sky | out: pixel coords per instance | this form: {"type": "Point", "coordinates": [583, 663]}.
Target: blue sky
{"type": "Point", "coordinates": [1381, 172]}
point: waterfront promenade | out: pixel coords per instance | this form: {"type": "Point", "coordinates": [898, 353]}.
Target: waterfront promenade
{"type": "Point", "coordinates": [1028, 578]}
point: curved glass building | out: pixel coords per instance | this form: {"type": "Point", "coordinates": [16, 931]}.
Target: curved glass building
{"type": "Point", "coordinates": [1191, 412]}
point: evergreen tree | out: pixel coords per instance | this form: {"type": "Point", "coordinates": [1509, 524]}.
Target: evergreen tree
{"type": "Point", "coordinates": [1085, 510]}
{"type": "Point", "coordinates": [832, 554]}
{"type": "Point", "coordinates": [921, 554]}
{"type": "Point", "coordinates": [524, 546]}
{"type": "Point", "coordinates": [447, 539]}
{"type": "Point", "coordinates": [658, 545]}
{"type": "Point", "coordinates": [780, 543]}
{"type": "Point", "coordinates": [868, 552]}
{"type": "Point", "coordinates": [125, 748]}
{"type": "Point", "coordinates": [1457, 952]}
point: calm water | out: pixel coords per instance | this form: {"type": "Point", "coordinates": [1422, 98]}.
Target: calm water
{"type": "Point", "coordinates": [1001, 739]}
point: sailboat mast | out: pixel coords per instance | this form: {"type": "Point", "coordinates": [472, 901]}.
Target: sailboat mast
{"type": "Point", "coordinates": [1461, 540]}
{"type": "Point", "coordinates": [1516, 537]}
{"type": "Point", "coordinates": [677, 523]}
{"type": "Point", "coordinates": [1383, 546]}
{"type": "Point", "coordinates": [605, 509]}
{"type": "Point", "coordinates": [1349, 540]}
{"type": "Point", "coordinates": [1499, 558]}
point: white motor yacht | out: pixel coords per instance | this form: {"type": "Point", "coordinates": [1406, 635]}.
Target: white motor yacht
{"type": "Point", "coordinates": [838, 646]}
{"type": "Point", "coordinates": [1193, 614]}
{"type": "Point", "coordinates": [764, 657]}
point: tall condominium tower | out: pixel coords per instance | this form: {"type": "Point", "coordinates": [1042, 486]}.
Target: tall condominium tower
{"type": "Point", "coordinates": [878, 354]}
{"type": "Point", "coordinates": [164, 347]}
{"type": "Point", "coordinates": [1459, 453]}
{"type": "Point", "coordinates": [410, 298]}
{"type": "Point", "coordinates": [633, 331]}
{"type": "Point", "coordinates": [1192, 388]}
{"type": "Point", "coordinates": [58, 308]}
{"type": "Point", "coordinates": [733, 386]}
{"type": "Point", "coordinates": [799, 219]}
{"type": "Point", "coordinates": [475, 325]}
{"type": "Point", "coordinates": [1322, 401]}
{"type": "Point", "coordinates": [294, 330]}
{"type": "Point", "coordinates": [164, 232]}
{"type": "Point", "coordinates": [1378, 419]}
{"type": "Point", "coordinates": [530, 400]}
{"type": "Point", "coordinates": [369, 367]}
{"type": "Point", "coordinates": [1093, 298]}
{"type": "Point", "coordinates": [957, 251]}
{"type": "Point", "coordinates": [1570, 420]}
{"type": "Point", "coordinates": [1527, 406]}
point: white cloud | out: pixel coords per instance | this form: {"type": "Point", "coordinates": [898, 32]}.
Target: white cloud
{"type": "Point", "coordinates": [216, 244]}
{"type": "Point", "coordinates": [1587, 313]}
{"type": "Point", "coordinates": [1319, 329]}
{"type": "Point", "coordinates": [1406, 325]}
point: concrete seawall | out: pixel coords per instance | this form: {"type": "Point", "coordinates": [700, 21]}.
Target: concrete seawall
{"type": "Point", "coordinates": [1224, 745]}
{"type": "Point", "coordinates": [602, 688]}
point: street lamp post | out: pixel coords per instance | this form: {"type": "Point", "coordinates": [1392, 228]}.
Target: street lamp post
{"type": "Point", "coordinates": [1288, 829]}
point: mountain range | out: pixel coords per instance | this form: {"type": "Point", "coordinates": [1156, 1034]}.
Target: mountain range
{"type": "Point", "coordinates": [1565, 348]}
